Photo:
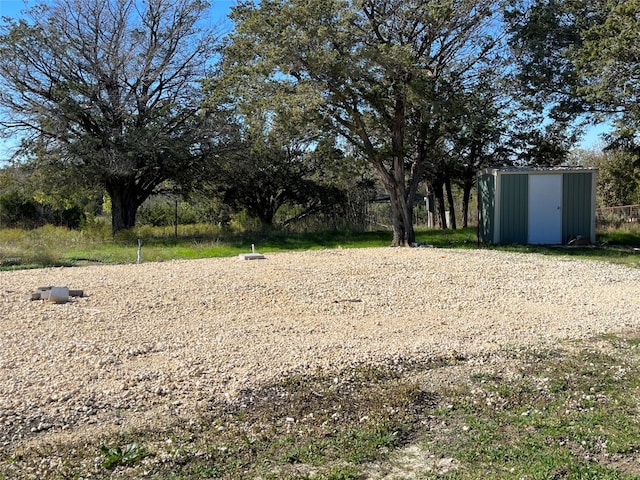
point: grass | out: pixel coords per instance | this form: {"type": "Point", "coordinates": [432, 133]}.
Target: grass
{"type": "Point", "coordinates": [126, 455]}
{"type": "Point", "coordinates": [51, 246]}
{"type": "Point", "coordinates": [571, 415]}
{"type": "Point", "coordinates": [567, 413]}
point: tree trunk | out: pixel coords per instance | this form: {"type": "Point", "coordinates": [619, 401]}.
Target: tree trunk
{"type": "Point", "coordinates": [452, 209]}
{"type": "Point", "coordinates": [466, 197]}
{"type": "Point", "coordinates": [402, 219]}
{"type": "Point", "coordinates": [438, 192]}
{"type": "Point", "coordinates": [401, 209]}
{"type": "Point", "coordinates": [265, 217]}
{"type": "Point", "coordinates": [125, 200]}
{"type": "Point", "coordinates": [401, 206]}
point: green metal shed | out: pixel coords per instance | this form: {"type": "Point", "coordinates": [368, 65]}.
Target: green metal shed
{"type": "Point", "coordinates": [540, 206]}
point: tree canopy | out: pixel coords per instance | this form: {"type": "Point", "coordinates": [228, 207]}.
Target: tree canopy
{"type": "Point", "coordinates": [382, 73]}
{"type": "Point", "coordinates": [580, 59]}
{"type": "Point", "coordinates": [609, 64]}
{"type": "Point", "coordinates": [131, 97]}
{"type": "Point", "coordinates": [108, 87]}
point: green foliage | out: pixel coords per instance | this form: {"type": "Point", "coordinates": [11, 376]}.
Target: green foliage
{"type": "Point", "coordinates": [162, 212]}
{"type": "Point", "coordinates": [622, 237]}
{"type": "Point", "coordinates": [27, 201]}
{"type": "Point", "coordinates": [541, 34]}
{"type": "Point", "coordinates": [276, 170]}
{"type": "Point", "coordinates": [125, 456]}
{"type": "Point", "coordinates": [618, 178]}
{"type": "Point", "coordinates": [385, 79]}
{"type": "Point", "coordinates": [267, 173]}
{"type": "Point", "coordinates": [18, 210]}
{"type": "Point", "coordinates": [580, 57]}
{"type": "Point", "coordinates": [108, 100]}
{"type": "Point", "coordinates": [609, 62]}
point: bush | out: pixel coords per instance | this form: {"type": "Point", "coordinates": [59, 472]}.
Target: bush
{"type": "Point", "coordinates": [19, 211]}
{"type": "Point", "coordinates": [157, 212]}
{"type": "Point", "coordinates": [160, 211]}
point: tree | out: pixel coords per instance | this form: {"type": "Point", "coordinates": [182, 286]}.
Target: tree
{"type": "Point", "coordinates": [269, 166]}
{"type": "Point", "coordinates": [273, 156]}
{"type": "Point", "coordinates": [335, 166]}
{"type": "Point", "coordinates": [618, 175]}
{"type": "Point", "coordinates": [608, 64]}
{"type": "Point", "coordinates": [29, 199]}
{"type": "Point", "coordinates": [378, 71]}
{"type": "Point", "coordinates": [546, 147]}
{"type": "Point", "coordinates": [579, 60]}
{"type": "Point", "coordinates": [476, 138]}
{"type": "Point", "coordinates": [108, 88]}
{"type": "Point", "coordinates": [262, 176]}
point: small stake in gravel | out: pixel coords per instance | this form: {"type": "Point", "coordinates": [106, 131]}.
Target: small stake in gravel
{"type": "Point", "coordinates": [139, 251]}
{"type": "Point", "coordinates": [253, 255]}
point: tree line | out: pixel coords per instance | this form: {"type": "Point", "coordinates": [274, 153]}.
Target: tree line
{"type": "Point", "coordinates": [306, 104]}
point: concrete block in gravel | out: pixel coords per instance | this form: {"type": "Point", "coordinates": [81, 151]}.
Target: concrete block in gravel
{"type": "Point", "coordinates": [59, 295]}
{"type": "Point", "coordinates": [251, 256]}
{"type": "Point", "coordinates": [45, 293]}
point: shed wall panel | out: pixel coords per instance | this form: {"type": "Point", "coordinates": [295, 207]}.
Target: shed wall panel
{"type": "Point", "coordinates": [514, 192]}
{"type": "Point", "coordinates": [576, 202]}
{"type": "Point", "coordinates": [486, 206]}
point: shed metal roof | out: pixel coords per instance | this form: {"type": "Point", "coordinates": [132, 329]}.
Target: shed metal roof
{"type": "Point", "coordinates": [558, 169]}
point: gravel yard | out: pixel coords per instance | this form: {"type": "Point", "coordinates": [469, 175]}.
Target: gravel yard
{"type": "Point", "coordinates": [154, 343]}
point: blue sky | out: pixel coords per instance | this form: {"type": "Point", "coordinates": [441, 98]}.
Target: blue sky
{"type": "Point", "coordinates": [12, 8]}
{"type": "Point", "coordinates": [592, 139]}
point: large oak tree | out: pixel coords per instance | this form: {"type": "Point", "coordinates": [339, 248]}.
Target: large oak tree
{"type": "Point", "coordinates": [382, 73]}
{"type": "Point", "coordinates": [109, 88]}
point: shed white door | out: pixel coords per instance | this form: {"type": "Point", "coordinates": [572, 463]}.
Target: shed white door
{"type": "Point", "coordinates": [545, 209]}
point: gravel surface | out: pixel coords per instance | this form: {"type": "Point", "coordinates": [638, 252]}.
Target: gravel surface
{"type": "Point", "coordinates": [154, 343]}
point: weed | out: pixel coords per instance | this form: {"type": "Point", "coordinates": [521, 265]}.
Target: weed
{"type": "Point", "coordinates": [342, 473]}
{"type": "Point", "coordinates": [126, 455]}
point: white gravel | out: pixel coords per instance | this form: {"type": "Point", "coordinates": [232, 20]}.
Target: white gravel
{"type": "Point", "coordinates": [154, 343]}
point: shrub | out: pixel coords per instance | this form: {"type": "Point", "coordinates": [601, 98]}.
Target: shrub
{"type": "Point", "coordinates": [18, 210]}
